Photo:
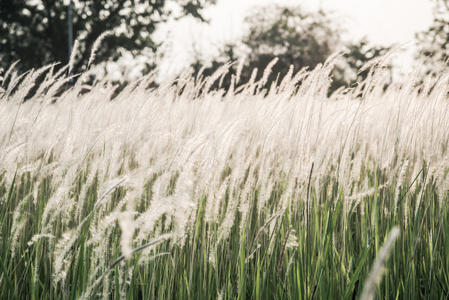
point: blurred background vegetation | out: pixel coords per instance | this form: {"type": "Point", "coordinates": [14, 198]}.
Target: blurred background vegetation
{"type": "Point", "coordinates": [36, 33]}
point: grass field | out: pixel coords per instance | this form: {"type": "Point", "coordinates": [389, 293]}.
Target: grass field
{"type": "Point", "coordinates": [259, 192]}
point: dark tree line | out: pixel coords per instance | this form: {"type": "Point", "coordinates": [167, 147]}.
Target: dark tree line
{"type": "Point", "coordinates": [36, 32]}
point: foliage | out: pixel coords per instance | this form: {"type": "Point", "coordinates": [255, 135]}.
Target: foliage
{"type": "Point", "coordinates": [298, 40]}
{"type": "Point", "coordinates": [434, 42]}
{"type": "Point", "coordinates": [36, 31]}
{"type": "Point", "coordinates": [295, 37]}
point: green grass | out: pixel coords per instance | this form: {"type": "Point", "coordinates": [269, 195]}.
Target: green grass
{"type": "Point", "coordinates": [332, 257]}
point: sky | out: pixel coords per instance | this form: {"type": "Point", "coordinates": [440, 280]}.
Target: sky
{"type": "Point", "coordinates": [383, 22]}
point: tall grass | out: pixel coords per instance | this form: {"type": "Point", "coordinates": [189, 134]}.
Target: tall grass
{"type": "Point", "coordinates": [277, 192]}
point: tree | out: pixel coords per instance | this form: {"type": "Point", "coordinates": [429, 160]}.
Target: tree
{"type": "Point", "coordinates": [35, 31]}
{"type": "Point", "coordinates": [297, 39]}
{"type": "Point", "coordinates": [434, 42]}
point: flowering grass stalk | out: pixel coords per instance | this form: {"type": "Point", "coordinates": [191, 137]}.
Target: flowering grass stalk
{"type": "Point", "coordinates": [250, 185]}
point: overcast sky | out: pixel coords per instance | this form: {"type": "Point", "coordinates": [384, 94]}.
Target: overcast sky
{"type": "Point", "coordinates": [383, 22]}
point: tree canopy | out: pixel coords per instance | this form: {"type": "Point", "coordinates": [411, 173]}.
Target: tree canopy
{"type": "Point", "coordinates": [298, 39]}
{"type": "Point", "coordinates": [434, 42]}
{"type": "Point", "coordinates": [36, 31]}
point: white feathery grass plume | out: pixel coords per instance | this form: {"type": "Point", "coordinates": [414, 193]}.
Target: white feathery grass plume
{"type": "Point", "coordinates": [406, 209]}
{"type": "Point", "coordinates": [366, 193]}
{"type": "Point", "coordinates": [213, 205]}
{"type": "Point", "coordinates": [381, 60]}
{"type": "Point", "coordinates": [23, 88]}
{"type": "Point", "coordinates": [228, 221]}
{"type": "Point", "coordinates": [356, 165]}
{"type": "Point", "coordinates": [73, 55]}
{"type": "Point", "coordinates": [184, 206]}
{"type": "Point", "coordinates": [272, 234]}
{"type": "Point", "coordinates": [265, 194]}
{"type": "Point", "coordinates": [239, 70]}
{"type": "Point", "coordinates": [273, 90]}
{"type": "Point", "coordinates": [177, 205]}
{"type": "Point", "coordinates": [36, 237]}
{"type": "Point", "coordinates": [26, 85]}
{"type": "Point", "coordinates": [83, 194]}
{"type": "Point", "coordinates": [63, 256]}
{"type": "Point", "coordinates": [397, 192]}
{"type": "Point", "coordinates": [245, 200]}
{"type": "Point", "coordinates": [332, 59]}
{"type": "Point", "coordinates": [377, 270]}
{"type": "Point", "coordinates": [230, 92]}
{"type": "Point", "coordinates": [286, 80]}
{"type": "Point", "coordinates": [145, 258]}
{"type": "Point", "coordinates": [42, 87]}
{"type": "Point", "coordinates": [267, 72]}
{"type": "Point", "coordinates": [200, 73]}
{"type": "Point", "coordinates": [290, 263]}
{"type": "Point", "coordinates": [215, 76]}
{"type": "Point", "coordinates": [18, 224]}
{"type": "Point", "coordinates": [8, 161]}
{"type": "Point", "coordinates": [97, 44]}
{"type": "Point", "coordinates": [59, 73]}
{"type": "Point", "coordinates": [105, 222]}
{"type": "Point", "coordinates": [287, 194]}
{"type": "Point", "coordinates": [301, 75]}
{"type": "Point", "coordinates": [15, 78]}
{"type": "Point", "coordinates": [252, 79]}
{"type": "Point", "coordinates": [127, 226]}
{"type": "Point", "coordinates": [54, 89]}
{"type": "Point", "coordinates": [416, 169]}
{"type": "Point", "coordinates": [8, 72]}
{"type": "Point", "coordinates": [53, 203]}
{"type": "Point", "coordinates": [220, 83]}
{"type": "Point", "coordinates": [443, 189]}
{"type": "Point", "coordinates": [418, 200]}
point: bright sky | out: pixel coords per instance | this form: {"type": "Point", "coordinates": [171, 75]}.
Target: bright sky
{"type": "Point", "coordinates": [383, 22]}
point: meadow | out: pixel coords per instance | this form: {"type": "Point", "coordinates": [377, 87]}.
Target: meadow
{"type": "Point", "coordinates": [186, 191]}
